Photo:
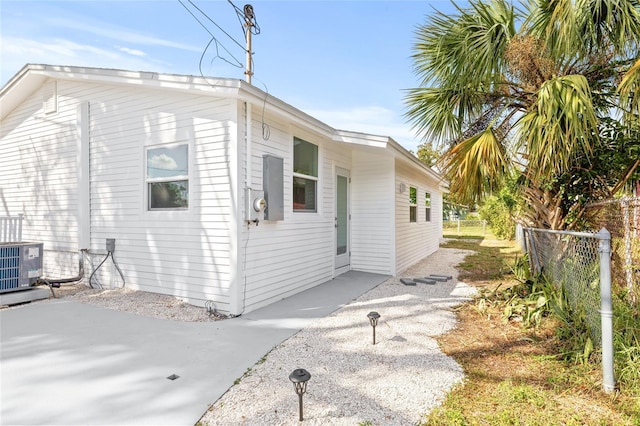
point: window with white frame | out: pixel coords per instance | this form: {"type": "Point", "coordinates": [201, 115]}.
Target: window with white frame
{"type": "Point", "coordinates": [305, 176]}
{"type": "Point", "coordinates": [427, 207]}
{"type": "Point", "coordinates": [167, 177]}
{"type": "Point", "coordinates": [413, 204]}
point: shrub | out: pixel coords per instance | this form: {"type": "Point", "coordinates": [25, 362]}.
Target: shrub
{"type": "Point", "coordinates": [498, 214]}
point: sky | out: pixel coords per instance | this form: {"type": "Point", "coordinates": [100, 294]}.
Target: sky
{"type": "Point", "coordinates": [347, 63]}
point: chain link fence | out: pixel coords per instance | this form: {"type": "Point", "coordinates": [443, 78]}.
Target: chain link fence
{"type": "Point", "coordinates": [579, 263]}
{"type": "Point", "coordinates": [572, 261]}
{"type": "Point", "coordinates": [622, 218]}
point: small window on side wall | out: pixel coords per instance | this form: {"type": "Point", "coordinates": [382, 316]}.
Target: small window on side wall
{"type": "Point", "coordinates": [413, 204]}
{"type": "Point", "coordinates": [427, 207]}
{"type": "Point", "coordinates": [167, 177]}
{"type": "Point", "coordinates": [305, 176]}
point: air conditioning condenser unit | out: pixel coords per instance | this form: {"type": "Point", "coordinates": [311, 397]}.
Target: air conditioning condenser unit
{"type": "Point", "coordinates": [20, 265]}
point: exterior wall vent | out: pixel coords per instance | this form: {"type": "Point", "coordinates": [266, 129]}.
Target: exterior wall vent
{"type": "Point", "coordinates": [50, 97]}
{"type": "Point", "coordinates": [20, 265]}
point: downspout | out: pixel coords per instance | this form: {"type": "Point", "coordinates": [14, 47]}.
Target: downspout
{"type": "Point", "coordinates": [83, 177]}
{"type": "Point", "coordinates": [247, 141]}
{"type": "Point", "coordinates": [394, 224]}
{"type": "Point", "coordinates": [238, 303]}
{"type": "Point", "coordinates": [235, 220]}
{"type": "Point", "coordinates": [248, 169]}
{"type": "Point", "coordinates": [82, 171]}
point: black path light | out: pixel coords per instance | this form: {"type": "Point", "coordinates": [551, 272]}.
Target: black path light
{"type": "Point", "coordinates": [373, 319]}
{"type": "Point", "coordinates": [299, 378]}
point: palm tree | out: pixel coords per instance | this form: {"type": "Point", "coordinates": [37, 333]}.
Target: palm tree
{"type": "Point", "coordinates": [530, 89]}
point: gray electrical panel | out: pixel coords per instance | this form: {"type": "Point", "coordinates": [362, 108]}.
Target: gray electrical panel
{"type": "Point", "coordinates": [273, 185]}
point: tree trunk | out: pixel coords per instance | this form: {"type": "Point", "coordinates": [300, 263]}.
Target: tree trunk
{"type": "Point", "coordinates": [544, 209]}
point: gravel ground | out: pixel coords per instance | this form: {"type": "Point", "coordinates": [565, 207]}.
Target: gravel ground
{"type": "Point", "coordinates": [144, 303]}
{"type": "Point", "coordinates": [395, 382]}
{"type": "Point", "coordinates": [353, 382]}
{"type": "Point", "coordinates": [136, 302]}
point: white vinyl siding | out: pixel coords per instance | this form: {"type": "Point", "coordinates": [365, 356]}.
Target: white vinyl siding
{"type": "Point", "coordinates": [38, 175]}
{"type": "Point", "coordinates": [291, 255]}
{"type": "Point", "coordinates": [182, 253]}
{"type": "Point", "coordinates": [205, 252]}
{"type": "Point", "coordinates": [178, 253]}
{"type": "Point", "coordinates": [372, 207]}
{"type": "Point", "coordinates": [414, 241]}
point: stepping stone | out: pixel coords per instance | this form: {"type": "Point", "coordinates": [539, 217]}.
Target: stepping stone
{"type": "Point", "coordinates": [398, 339]}
{"type": "Point", "coordinates": [425, 280]}
{"type": "Point", "coordinates": [407, 281]}
{"type": "Point", "coordinates": [438, 278]}
{"type": "Point", "coordinates": [441, 276]}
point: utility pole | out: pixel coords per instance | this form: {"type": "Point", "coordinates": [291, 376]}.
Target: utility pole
{"type": "Point", "coordinates": [248, 25]}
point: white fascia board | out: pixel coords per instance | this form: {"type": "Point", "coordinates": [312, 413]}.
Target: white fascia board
{"type": "Point", "coordinates": [220, 87]}
{"type": "Point", "coordinates": [31, 77]}
{"type": "Point", "coordinates": [18, 88]}
{"type": "Point", "coordinates": [357, 138]}
{"type": "Point", "coordinates": [267, 102]}
{"type": "Point", "coordinates": [403, 154]}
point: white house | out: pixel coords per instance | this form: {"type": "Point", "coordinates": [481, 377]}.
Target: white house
{"type": "Point", "coordinates": [175, 169]}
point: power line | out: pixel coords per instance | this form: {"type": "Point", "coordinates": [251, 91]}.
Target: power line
{"type": "Point", "coordinates": [213, 39]}
{"type": "Point", "coordinates": [249, 25]}
{"type": "Point", "coordinates": [218, 26]}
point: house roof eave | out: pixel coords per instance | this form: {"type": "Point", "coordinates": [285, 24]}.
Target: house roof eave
{"type": "Point", "coordinates": [31, 77]}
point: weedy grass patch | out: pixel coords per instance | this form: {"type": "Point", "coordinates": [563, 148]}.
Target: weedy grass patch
{"type": "Point", "coordinates": [526, 361]}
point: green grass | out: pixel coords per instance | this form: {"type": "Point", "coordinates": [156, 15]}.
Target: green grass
{"type": "Point", "coordinates": [468, 232]}
{"type": "Point", "coordinates": [514, 375]}
{"type": "Point", "coordinates": [489, 262]}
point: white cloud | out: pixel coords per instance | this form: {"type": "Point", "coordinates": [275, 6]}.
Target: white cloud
{"type": "Point", "coordinates": [18, 51]}
{"type": "Point", "coordinates": [120, 34]}
{"type": "Point", "coordinates": [134, 52]}
{"type": "Point", "coordinates": [163, 162]}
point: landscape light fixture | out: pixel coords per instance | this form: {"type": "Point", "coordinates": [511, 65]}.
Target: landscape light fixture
{"type": "Point", "coordinates": [299, 378]}
{"type": "Point", "coordinates": [373, 319]}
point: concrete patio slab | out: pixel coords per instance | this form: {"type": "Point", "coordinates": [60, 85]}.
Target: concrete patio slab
{"type": "Point", "coordinates": [64, 362]}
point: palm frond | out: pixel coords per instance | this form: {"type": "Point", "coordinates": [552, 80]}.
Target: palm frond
{"type": "Point", "coordinates": [439, 113]}
{"type": "Point", "coordinates": [458, 57]}
{"type": "Point", "coordinates": [576, 28]}
{"type": "Point", "coordinates": [554, 21]}
{"type": "Point", "coordinates": [561, 123]}
{"type": "Point", "coordinates": [475, 165]}
{"type": "Point", "coordinates": [629, 92]}
{"type": "Point", "coordinates": [609, 21]}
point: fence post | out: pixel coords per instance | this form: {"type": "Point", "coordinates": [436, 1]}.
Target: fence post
{"type": "Point", "coordinates": [19, 230]}
{"type": "Point", "coordinates": [606, 311]}
{"type": "Point", "coordinates": [534, 254]}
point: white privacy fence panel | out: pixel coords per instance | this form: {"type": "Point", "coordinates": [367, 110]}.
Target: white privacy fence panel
{"type": "Point", "coordinates": [11, 228]}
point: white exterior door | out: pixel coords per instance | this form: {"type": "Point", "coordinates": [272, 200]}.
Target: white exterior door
{"type": "Point", "coordinates": [342, 218]}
